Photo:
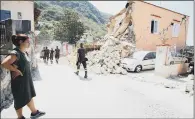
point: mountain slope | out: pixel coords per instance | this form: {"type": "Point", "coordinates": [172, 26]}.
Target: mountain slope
{"type": "Point", "coordinates": [83, 7]}
{"type": "Point", "coordinates": [92, 18]}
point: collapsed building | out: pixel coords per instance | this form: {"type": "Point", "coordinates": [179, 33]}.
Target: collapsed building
{"type": "Point", "coordinates": [118, 43]}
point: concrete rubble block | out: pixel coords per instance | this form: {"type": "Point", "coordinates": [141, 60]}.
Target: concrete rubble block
{"type": "Point", "coordinates": [189, 86]}
{"type": "Point", "coordinates": [109, 70]}
{"type": "Point", "coordinates": [103, 70]}
{"type": "Point", "coordinates": [124, 72]}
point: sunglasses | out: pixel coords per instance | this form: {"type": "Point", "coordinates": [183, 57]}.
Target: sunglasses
{"type": "Point", "coordinates": [27, 40]}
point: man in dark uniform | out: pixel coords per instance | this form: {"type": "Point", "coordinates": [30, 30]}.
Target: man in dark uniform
{"type": "Point", "coordinates": [47, 54]}
{"type": "Point", "coordinates": [44, 55]}
{"type": "Point", "coordinates": [57, 54]}
{"type": "Point", "coordinates": [81, 59]}
{"type": "Point", "coordinates": [51, 55]}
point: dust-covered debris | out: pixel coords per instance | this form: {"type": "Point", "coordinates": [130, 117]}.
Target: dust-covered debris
{"type": "Point", "coordinates": [118, 43]}
{"type": "Point", "coordinates": [108, 59]}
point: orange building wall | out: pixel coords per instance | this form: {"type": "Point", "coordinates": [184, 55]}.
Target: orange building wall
{"type": "Point", "coordinates": [142, 17]}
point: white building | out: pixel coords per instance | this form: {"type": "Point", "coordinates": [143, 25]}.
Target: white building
{"type": "Point", "coordinates": [20, 10]}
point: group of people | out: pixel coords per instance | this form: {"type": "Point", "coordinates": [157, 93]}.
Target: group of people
{"type": "Point", "coordinates": [47, 54]}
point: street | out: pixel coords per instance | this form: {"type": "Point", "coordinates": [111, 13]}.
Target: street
{"type": "Point", "coordinates": [62, 94]}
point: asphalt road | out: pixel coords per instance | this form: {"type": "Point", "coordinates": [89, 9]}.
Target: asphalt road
{"type": "Point", "coordinates": [62, 94]}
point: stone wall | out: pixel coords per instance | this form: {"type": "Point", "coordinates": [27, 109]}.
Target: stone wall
{"type": "Point", "coordinates": [6, 95]}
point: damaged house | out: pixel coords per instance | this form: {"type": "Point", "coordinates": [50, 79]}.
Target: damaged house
{"type": "Point", "coordinates": [150, 20]}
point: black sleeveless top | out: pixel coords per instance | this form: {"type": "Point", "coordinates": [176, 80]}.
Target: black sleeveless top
{"type": "Point", "coordinates": [22, 86]}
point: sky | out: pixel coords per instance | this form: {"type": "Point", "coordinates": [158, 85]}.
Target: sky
{"type": "Point", "coordinates": [184, 7]}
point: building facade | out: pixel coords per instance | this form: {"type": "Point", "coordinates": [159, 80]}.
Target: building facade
{"type": "Point", "coordinates": [149, 21]}
{"type": "Point", "coordinates": [18, 10]}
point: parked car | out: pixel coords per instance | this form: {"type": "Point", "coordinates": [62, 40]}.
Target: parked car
{"type": "Point", "coordinates": [177, 58]}
{"type": "Point", "coordinates": [139, 61]}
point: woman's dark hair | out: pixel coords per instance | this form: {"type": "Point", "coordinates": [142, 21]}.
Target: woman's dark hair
{"type": "Point", "coordinates": [17, 38]}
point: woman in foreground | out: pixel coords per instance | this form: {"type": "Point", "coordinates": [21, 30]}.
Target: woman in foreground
{"type": "Point", "coordinates": [21, 80]}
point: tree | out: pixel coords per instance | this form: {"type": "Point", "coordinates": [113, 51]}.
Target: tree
{"type": "Point", "coordinates": [69, 28]}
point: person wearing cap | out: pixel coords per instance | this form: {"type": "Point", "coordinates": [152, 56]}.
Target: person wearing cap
{"type": "Point", "coordinates": [22, 85]}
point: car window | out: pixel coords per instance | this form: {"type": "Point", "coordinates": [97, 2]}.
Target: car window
{"type": "Point", "coordinates": [149, 56]}
{"type": "Point", "coordinates": [154, 55]}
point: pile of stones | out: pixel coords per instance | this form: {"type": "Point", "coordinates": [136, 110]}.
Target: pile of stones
{"type": "Point", "coordinates": [108, 59]}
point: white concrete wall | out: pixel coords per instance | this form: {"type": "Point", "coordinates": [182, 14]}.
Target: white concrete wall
{"type": "Point", "coordinates": [161, 66]}
{"type": "Point", "coordinates": [171, 70]}
{"type": "Point", "coordinates": [25, 7]}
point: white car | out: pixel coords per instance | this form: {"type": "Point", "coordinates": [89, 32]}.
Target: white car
{"type": "Point", "coordinates": [140, 60]}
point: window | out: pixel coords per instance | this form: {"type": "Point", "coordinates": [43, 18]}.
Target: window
{"type": "Point", "coordinates": [175, 30]}
{"type": "Point", "coordinates": [149, 56]}
{"type": "Point", "coordinates": [19, 15]}
{"type": "Point", "coordinates": [154, 55]}
{"type": "Point", "coordinates": [154, 26]}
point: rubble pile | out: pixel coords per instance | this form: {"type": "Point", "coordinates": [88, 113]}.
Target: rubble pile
{"type": "Point", "coordinates": [119, 42]}
{"type": "Point", "coordinates": [108, 59]}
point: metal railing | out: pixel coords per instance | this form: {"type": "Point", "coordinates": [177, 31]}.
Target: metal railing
{"type": "Point", "coordinates": [3, 34]}
{"type": "Point", "coordinates": [6, 33]}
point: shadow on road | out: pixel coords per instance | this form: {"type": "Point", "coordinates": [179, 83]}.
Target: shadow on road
{"type": "Point", "coordinates": [84, 79]}
{"type": "Point", "coordinates": [143, 71]}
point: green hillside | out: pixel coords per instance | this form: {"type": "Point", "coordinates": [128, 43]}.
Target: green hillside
{"type": "Point", "coordinates": [93, 19]}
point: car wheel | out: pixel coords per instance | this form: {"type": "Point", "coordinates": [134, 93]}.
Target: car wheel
{"type": "Point", "coordinates": [172, 62]}
{"type": "Point", "coordinates": [138, 68]}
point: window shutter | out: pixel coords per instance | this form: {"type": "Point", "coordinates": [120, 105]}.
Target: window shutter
{"type": "Point", "coordinates": [155, 26]}
{"type": "Point", "coordinates": [177, 29]}
{"type": "Point", "coordinates": [152, 26]}
{"type": "Point", "coordinates": [173, 30]}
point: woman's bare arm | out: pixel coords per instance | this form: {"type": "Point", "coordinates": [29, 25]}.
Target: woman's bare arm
{"type": "Point", "coordinates": [8, 61]}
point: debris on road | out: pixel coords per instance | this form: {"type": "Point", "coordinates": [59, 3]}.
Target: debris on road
{"type": "Point", "coordinates": [108, 59]}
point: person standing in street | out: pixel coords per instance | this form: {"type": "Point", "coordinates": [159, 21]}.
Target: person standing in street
{"type": "Point", "coordinates": [22, 85]}
{"type": "Point", "coordinates": [57, 54]}
{"type": "Point", "coordinates": [44, 55]}
{"type": "Point", "coordinates": [81, 59]}
{"type": "Point", "coordinates": [47, 54]}
{"type": "Point", "coordinates": [51, 55]}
